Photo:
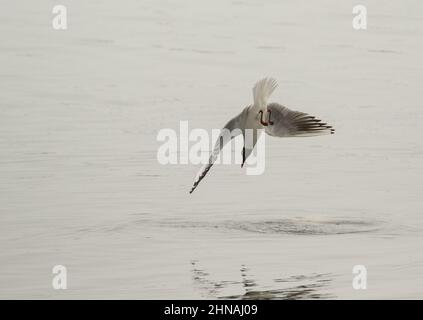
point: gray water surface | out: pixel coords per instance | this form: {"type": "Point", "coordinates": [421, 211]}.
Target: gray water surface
{"type": "Point", "coordinates": [80, 184]}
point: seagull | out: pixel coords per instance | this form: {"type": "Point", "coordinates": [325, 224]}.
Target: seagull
{"type": "Point", "coordinates": [274, 118]}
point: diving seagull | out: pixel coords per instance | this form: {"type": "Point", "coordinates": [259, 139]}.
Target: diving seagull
{"type": "Point", "coordinates": [275, 119]}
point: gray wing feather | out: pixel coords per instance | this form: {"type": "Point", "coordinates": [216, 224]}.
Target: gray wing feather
{"type": "Point", "coordinates": [289, 123]}
{"type": "Point", "coordinates": [235, 123]}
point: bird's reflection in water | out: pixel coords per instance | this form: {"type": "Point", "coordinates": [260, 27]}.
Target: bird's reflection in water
{"type": "Point", "coordinates": [294, 287]}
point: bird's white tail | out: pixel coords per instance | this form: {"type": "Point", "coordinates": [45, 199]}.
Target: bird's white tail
{"type": "Point", "coordinates": [262, 91]}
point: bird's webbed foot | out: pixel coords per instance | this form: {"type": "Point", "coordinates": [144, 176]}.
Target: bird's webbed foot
{"type": "Point", "coordinates": [261, 119]}
{"type": "Point", "coordinates": [270, 121]}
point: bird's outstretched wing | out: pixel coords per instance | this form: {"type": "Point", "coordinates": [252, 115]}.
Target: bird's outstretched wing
{"type": "Point", "coordinates": [262, 91]}
{"type": "Point", "coordinates": [236, 123]}
{"type": "Point", "coordinates": [289, 123]}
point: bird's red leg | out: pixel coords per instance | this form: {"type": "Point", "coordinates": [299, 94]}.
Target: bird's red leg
{"type": "Point", "coordinates": [261, 119]}
{"type": "Point", "coordinates": [270, 121]}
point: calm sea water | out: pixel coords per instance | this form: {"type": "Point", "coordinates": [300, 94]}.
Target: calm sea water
{"type": "Point", "coordinates": [80, 184]}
